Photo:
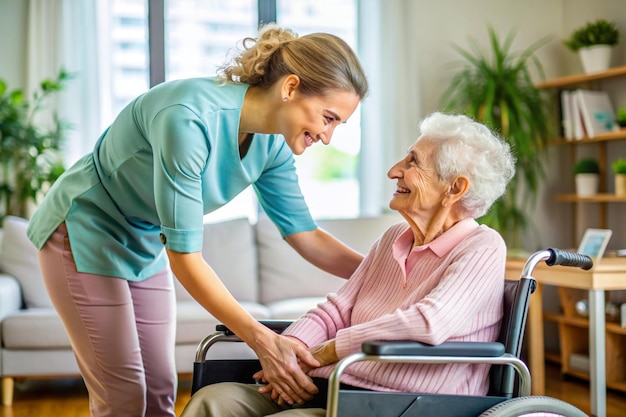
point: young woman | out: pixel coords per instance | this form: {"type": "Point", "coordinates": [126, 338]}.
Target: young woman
{"type": "Point", "coordinates": [116, 222]}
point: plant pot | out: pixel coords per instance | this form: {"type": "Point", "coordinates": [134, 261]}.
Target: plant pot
{"type": "Point", "coordinates": [595, 58]}
{"type": "Point", "coordinates": [620, 185]}
{"type": "Point", "coordinates": [587, 184]}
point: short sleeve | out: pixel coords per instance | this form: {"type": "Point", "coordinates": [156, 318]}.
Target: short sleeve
{"type": "Point", "coordinates": [181, 148]}
{"type": "Point", "coordinates": [280, 196]}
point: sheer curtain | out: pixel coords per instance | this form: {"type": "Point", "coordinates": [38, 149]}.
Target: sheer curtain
{"type": "Point", "coordinates": [392, 109]}
{"type": "Point", "coordinates": [63, 34]}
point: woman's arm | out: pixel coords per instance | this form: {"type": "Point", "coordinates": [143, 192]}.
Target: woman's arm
{"type": "Point", "coordinates": [326, 252]}
{"type": "Point", "coordinates": [279, 355]}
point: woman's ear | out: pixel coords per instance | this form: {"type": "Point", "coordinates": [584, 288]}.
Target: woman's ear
{"type": "Point", "coordinates": [289, 86]}
{"type": "Point", "coordinates": [459, 187]}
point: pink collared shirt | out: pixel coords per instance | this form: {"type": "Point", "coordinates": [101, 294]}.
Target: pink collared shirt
{"type": "Point", "coordinates": [449, 289]}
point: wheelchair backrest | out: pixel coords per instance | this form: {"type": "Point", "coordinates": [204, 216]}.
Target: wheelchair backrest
{"type": "Point", "coordinates": [515, 310]}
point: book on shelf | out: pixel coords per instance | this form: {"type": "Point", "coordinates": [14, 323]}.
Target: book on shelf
{"type": "Point", "coordinates": [567, 122]}
{"type": "Point", "coordinates": [596, 112]}
{"type": "Point", "coordinates": [578, 131]}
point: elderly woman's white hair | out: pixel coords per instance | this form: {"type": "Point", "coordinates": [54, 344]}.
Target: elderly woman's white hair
{"type": "Point", "coordinates": [466, 147]}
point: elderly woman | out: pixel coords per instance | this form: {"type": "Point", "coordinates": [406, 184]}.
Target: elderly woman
{"type": "Point", "coordinates": [438, 277]}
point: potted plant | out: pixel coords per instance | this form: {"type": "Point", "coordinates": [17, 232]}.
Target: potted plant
{"type": "Point", "coordinates": [594, 43]}
{"type": "Point", "coordinates": [621, 117]}
{"type": "Point", "coordinates": [30, 159]}
{"type": "Point", "coordinates": [586, 176]}
{"type": "Point", "coordinates": [619, 169]}
{"type": "Point", "coordinates": [495, 88]}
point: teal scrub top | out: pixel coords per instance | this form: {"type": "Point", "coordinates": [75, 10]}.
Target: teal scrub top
{"type": "Point", "coordinates": [171, 156]}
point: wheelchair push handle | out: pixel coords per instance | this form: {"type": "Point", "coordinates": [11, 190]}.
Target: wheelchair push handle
{"type": "Point", "coordinates": [554, 256]}
{"type": "Point", "coordinates": [565, 258]}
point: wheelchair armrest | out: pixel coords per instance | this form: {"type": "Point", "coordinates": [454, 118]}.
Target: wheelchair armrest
{"type": "Point", "coordinates": [278, 326]}
{"type": "Point", "coordinates": [406, 348]}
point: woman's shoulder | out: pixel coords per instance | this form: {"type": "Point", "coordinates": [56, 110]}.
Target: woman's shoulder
{"type": "Point", "coordinates": [201, 95]}
{"type": "Point", "coordinates": [484, 235]}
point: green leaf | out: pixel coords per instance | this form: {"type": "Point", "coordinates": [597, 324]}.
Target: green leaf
{"type": "Point", "coordinates": [29, 153]}
{"type": "Point", "coordinates": [494, 86]}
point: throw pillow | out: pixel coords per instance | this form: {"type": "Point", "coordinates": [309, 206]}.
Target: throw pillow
{"type": "Point", "coordinates": [18, 258]}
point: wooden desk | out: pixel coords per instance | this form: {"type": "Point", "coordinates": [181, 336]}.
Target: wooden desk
{"type": "Point", "coordinates": [610, 274]}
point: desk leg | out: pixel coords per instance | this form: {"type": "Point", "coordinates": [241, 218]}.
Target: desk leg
{"type": "Point", "coordinates": [536, 351]}
{"type": "Point", "coordinates": [597, 353]}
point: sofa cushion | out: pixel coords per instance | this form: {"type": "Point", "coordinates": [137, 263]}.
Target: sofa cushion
{"type": "Point", "coordinates": [18, 258]}
{"type": "Point", "coordinates": [193, 322]}
{"type": "Point", "coordinates": [35, 328]}
{"type": "Point", "coordinates": [229, 248]}
{"type": "Point", "coordinates": [284, 274]}
{"type": "Point", "coordinates": [293, 308]}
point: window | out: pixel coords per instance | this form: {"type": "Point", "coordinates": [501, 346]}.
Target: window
{"type": "Point", "coordinates": [197, 36]}
{"type": "Point", "coordinates": [328, 174]}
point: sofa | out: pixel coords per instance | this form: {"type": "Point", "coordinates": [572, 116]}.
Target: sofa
{"type": "Point", "coordinates": [260, 269]}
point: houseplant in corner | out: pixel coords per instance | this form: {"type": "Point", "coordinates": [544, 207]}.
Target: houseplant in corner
{"type": "Point", "coordinates": [586, 176]}
{"type": "Point", "coordinates": [495, 88]}
{"type": "Point", "coordinates": [594, 43]}
{"type": "Point", "coordinates": [30, 158]}
{"type": "Point", "coordinates": [619, 169]}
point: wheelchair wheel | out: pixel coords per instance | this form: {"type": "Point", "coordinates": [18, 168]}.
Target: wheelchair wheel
{"type": "Point", "coordinates": [533, 404]}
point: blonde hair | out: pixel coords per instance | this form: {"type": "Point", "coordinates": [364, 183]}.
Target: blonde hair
{"type": "Point", "coordinates": [322, 61]}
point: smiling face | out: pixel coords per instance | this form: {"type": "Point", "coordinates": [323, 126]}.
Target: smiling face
{"type": "Point", "coordinates": [420, 192]}
{"type": "Point", "coordinates": [312, 119]}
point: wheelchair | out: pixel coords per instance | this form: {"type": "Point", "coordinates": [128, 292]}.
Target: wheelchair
{"type": "Point", "coordinates": [510, 380]}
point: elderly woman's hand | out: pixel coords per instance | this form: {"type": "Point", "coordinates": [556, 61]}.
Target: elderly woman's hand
{"type": "Point", "coordinates": [283, 366]}
{"type": "Point", "coordinates": [325, 353]}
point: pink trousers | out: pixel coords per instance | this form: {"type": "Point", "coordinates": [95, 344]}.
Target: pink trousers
{"type": "Point", "coordinates": [122, 333]}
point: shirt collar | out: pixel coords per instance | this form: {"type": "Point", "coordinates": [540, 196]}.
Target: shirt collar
{"type": "Point", "coordinates": [442, 244]}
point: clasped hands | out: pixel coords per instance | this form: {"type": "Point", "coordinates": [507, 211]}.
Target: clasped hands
{"type": "Point", "coordinates": [292, 384]}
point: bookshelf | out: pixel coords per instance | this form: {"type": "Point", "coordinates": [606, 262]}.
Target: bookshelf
{"type": "Point", "coordinates": [574, 330]}
{"type": "Point", "coordinates": [601, 141]}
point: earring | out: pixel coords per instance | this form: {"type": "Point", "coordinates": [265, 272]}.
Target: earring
{"type": "Point", "coordinates": [284, 99]}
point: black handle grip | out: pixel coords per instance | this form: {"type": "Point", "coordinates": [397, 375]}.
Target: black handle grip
{"type": "Point", "coordinates": [278, 326]}
{"type": "Point", "coordinates": [567, 258]}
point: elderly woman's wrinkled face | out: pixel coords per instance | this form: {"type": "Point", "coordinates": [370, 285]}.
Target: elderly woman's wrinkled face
{"type": "Point", "coordinates": [419, 190]}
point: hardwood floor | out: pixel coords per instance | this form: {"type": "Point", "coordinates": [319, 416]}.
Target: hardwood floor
{"type": "Point", "coordinates": [68, 397]}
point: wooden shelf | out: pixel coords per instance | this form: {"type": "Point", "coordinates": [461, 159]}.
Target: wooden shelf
{"type": "Point", "coordinates": [553, 357]}
{"type": "Point", "coordinates": [611, 327]}
{"type": "Point", "coordinates": [615, 328]}
{"type": "Point", "coordinates": [596, 198]}
{"type": "Point", "coordinates": [602, 137]}
{"type": "Point", "coordinates": [570, 80]}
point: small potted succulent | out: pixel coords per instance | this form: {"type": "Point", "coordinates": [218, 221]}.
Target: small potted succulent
{"type": "Point", "coordinates": [587, 176]}
{"type": "Point", "coordinates": [594, 43]}
{"type": "Point", "coordinates": [619, 169]}
{"type": "Point", "coordinates": [621, 117]}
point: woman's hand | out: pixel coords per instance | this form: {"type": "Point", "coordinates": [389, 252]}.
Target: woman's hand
{"type": "Point", "coordinates": [325, 353]}
{"type": "Point", "coordinates": [269, 387]}
{"type": "Point", "coordinates": [282, 361]}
